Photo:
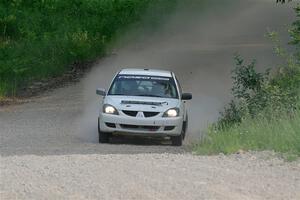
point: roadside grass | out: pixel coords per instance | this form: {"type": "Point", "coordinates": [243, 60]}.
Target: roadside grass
{"type": "Point", "coordinates": [279, 134]}
{"type": "Point", "coordinates": [42, 39]}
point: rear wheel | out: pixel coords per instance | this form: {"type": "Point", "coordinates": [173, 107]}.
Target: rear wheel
{"type": "Point", "coordinates": [103, 136]}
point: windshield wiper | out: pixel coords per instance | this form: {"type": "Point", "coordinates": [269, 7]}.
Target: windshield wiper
{"type": "Point", "coordinates": [118, 94]}
{"type": "Point", "coordinates": [141, 95]}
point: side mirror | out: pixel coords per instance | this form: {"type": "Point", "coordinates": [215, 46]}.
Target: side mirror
{"type": "Point", "coordinates": [101, 92]}
{"type": "Point", "coordinates": [186, 96]}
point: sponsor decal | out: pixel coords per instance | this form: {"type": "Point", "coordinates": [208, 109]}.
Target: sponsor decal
{"type": "Point", "coordinates": [144, 103]}
{"type": "Point", "coordinates": [144, 77]}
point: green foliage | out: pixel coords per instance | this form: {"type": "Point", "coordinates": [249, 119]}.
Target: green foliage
{"type": "Point", "coordinates": [295, 33]}
{"type": "Point", "coordinates": [41, 38]}
{"type": "Point", "coordinates": [265, 132]}
{"type": "Point", "coordinates": [295, 30]}
{"type": "Point", "coordinates": [282, 1]}
{"type": "Point", "coordinates": [265, 111]}
{"type": "Point", "coordinates": [249, 92]}
{"type": "Point", "coordinates": [255, 92]}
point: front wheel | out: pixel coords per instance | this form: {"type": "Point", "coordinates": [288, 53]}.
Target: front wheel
{"type": "Point", "coordinates": [185, 127]}
{"type": "Point", "coordinates": [103, 136]}
{"type": "Point", "coordinates": [177, 140]}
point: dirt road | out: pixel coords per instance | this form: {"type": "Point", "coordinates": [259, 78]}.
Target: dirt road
{"type": "Point", "coordinates": [49, 145]}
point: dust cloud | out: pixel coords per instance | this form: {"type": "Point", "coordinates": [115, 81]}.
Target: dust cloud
{"type": "Point", "coordinates": [198, 44]}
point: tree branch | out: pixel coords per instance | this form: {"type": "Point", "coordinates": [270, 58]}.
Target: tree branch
{"type": "Point", "coordinates": [282, 1]}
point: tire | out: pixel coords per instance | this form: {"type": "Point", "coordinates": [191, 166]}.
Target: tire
{"type": "Point", "coordinates": [185, 127]}
{"type": "Point", "coordinates": [177, 140]}
{"type": "Point", "coordinates": [103, 136]}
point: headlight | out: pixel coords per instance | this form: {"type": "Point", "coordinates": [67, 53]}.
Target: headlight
{"type": "Point", "coordinates": [173, 112]}
{"type": "Point", "coordinates": [109, 109]}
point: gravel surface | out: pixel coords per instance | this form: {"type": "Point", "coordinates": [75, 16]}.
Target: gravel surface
{"type": "Point", "coordinates": [45, 155]}
{"type": "Point", "coordinates": [49, 146]}
{"type": "Point", "coordinates": [148, 176]}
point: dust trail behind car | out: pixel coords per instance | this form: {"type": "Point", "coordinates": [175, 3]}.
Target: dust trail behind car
{"type": "Point", "coordinates": [198, 44]}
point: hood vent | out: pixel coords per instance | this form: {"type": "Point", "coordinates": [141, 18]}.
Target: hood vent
{"type": "Point", "coordinates": [145, 103]}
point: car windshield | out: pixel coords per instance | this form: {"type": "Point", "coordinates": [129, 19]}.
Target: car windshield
{"type": "Point", "coordinates": [151, 86]}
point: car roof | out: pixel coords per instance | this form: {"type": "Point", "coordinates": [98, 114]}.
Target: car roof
{"type": "Point", "coordinates": [146, 72]}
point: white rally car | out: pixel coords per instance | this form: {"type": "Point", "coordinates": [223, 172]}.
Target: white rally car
{"type": "Point", "coordinates": [144, 102]}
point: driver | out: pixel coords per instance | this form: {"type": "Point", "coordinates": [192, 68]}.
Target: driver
{"type": "Point", "coordinates": [129, 87]}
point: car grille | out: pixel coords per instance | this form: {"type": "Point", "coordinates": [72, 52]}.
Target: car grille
{"type": "Point", "coordinates": [149, 128]}
{"type": "Point", "coordinates": [134, 113]}
{"type": "Point", "coordinates": [150, 114]}
{"type": "Point", "coordinates": [130, 113]}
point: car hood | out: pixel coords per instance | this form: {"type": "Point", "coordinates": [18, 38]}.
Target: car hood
{"type": "Point", "coordinates": [135, 103]}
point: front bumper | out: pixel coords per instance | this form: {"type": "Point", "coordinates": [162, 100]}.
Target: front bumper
{"type": "Point", "coordinates": [154, 126]}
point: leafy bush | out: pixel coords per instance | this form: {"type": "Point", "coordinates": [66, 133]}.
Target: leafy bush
{"type": "Point", "coordinates": [295, 31]}
{"type": "Point", "coordinates": [248, 92]}
{"type": "Point", "coordinates": [265, 111]}
{"type": "Point", "coordinates": [255, 92]}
